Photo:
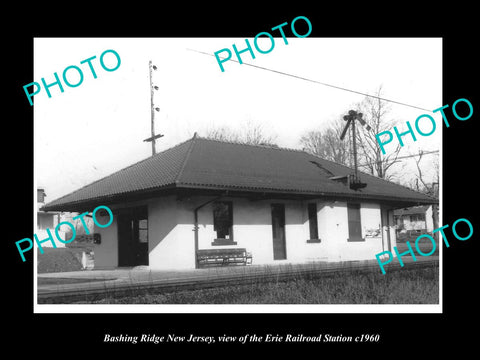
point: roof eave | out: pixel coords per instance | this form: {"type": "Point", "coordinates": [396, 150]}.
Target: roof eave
{"type": "Point", "coordinates": [402, 201]}
{"type": "Point", "coordinates": [90, 204]}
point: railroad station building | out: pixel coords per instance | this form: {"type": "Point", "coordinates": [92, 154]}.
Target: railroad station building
{"type": "Point", "coordinates": [281, 205]}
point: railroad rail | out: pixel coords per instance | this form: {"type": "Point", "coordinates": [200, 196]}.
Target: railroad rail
{"type": "Point", "coordinates": [201, 279]}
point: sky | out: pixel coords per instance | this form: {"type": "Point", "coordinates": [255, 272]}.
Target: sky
{"type": "Point", "coordinates": [92, 130]}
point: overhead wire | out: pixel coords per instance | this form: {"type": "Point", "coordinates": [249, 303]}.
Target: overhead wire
{"type": "Point", "coordinates": [340, 88]}
{"type": "Point", "coordinates": [319, 82]}
{"type": "Point", "coordinates": [421, 153]}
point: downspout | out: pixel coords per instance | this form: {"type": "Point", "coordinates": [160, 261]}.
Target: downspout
{"type": "Point", "coordinates": [195, 224]}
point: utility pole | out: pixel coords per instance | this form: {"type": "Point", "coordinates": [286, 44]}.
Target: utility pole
{"type": "Point", "coordinates": [152, 110]}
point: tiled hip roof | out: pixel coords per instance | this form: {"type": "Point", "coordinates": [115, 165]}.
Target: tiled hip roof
{"type": "Point", "coordinates": [211, 164]}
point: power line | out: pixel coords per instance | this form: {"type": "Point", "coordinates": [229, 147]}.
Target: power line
{"type": "Point", "coordinates": [402, 157]}
{"type": "Point", "coordinates": [319, 82]}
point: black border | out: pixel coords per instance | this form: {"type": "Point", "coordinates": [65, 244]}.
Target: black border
{"type": "Point", "coordinates": [407, 333]}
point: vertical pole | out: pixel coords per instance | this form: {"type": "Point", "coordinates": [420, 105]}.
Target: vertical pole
{"type": "Point", "coordinates": [354, 145]}
{"type": "Point", "coordinates": [350, 148]}
{"type": "Point", "coordinates": [389, 236]}
{"type": "Point", "coordinates": [435, 220]}
{"type": "Point", "coordinates": [151, 108]}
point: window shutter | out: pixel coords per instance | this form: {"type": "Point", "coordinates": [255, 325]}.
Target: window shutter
{"type": "Point", "coordinates": [354, 222]}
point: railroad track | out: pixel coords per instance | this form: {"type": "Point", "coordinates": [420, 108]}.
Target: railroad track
{"type": "Point", "coordinates": [117, 289]}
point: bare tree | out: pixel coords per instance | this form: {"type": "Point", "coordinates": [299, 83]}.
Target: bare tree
{"type": "Point", "coordinates": [222, 133]}
{"type": "Point", "coordinates": [255, 134]}
{"type": "Point", "coordinates": [327, 145]}
{"type": "Point", "coordinates": [312, 142]}
{"type": "Point", "coordinates": [337, 150]}
{"type": "Point", "coordinates": [375, 112]}
{"type": "Point", "coordinates": [251, 133]}
{"type": "Point", "coordinates": [419, 183]}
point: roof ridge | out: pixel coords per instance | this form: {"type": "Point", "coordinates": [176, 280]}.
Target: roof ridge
{"type": "Point", "coordinates": [187, 156]}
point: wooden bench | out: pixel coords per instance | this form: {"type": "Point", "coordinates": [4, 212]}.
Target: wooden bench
{"type": "Point", "coordinates": [223, 257]}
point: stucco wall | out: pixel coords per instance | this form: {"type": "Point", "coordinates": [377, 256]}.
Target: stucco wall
{"type": "Point", "coordinates": [429, 219]}
{"type": "Point", "coordinates": [370, 221]}
{"type": "Point", "coordinates": [393, 233]}
{"type": "Point", "coordinates": [166, 249]}
{"type": "Point", "coordinates": [106, 253]}
{"type": "Point", "coordinates": [172, 237]}
{"type": "Point", "coordinates": [252, 230]}
{"type": "Point", "coordinates": [252, 227]}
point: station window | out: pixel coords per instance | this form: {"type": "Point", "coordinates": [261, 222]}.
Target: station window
{"type": "Point", "coordinates": [223, 223]}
